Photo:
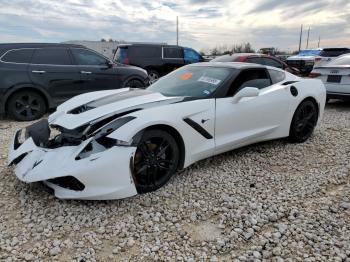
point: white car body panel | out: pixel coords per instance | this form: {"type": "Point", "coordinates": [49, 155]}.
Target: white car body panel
{"type": "Point", "coordinates": [343, 86]}
{"type": "Point", "coordinates": [106, 172]}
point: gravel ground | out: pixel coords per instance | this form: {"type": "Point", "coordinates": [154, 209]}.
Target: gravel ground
{"type": "Point", "coordinates": [273, 201]}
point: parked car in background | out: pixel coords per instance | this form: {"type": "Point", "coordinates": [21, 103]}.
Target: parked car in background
{"type": "Point", "coordinates": [37, 77]}
{"type": "Point", "coordinates": [304, 61]}
{"type": "Point", "coordinates": [329, 54]}
{"type": "Point", "coordinates": [157, 59]}
{"type": "Point", "coordinates": [260, 59]}
{"type": "Point", "coordinates": [336, 77]}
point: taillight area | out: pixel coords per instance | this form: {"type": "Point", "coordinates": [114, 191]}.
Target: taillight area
{"type": "Point", "coordinates": [317, 58]}
{"type": "Point", "coordinates": [126, 61]}
{"type": "Point", "coordinates": [314, 74]}
{"type": "Point", "coordinates": [241, 59]}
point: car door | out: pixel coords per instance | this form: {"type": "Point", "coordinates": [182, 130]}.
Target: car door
{"type": "Point", "coordinates": [250, 119]}
{"type": "Point", "coordinates": [52, 69]}
{"type": "Point", "coordinates": [97, 72]}
{"type": "Point", "coordinates": [173, 58]}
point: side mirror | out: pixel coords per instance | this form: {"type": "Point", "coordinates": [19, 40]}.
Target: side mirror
{"type": "Point", "coordinates": [245, 92]}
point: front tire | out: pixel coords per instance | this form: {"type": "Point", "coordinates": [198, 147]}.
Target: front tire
{"type": "Point", "coordinates": [26, 106]}
{"type": "Point", "coordinates": [304, 122]}
{"type": "Point", "coordinates": [134, 83]}
{"type": "Point", "coordinates": [156, 160]}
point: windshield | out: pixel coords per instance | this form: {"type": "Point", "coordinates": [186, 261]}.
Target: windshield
{"type": "Point", "coordinates": [309, 52]}
{"type": "Point", "coordinates": [191, 81]}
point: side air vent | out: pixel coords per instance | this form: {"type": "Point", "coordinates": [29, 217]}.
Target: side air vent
{"type": "Point", "coordinates": [289, 83]}
{"type": "Point", "coordinates": [198, 128]}
{"type": "Point", "coordinates": [293, 91]}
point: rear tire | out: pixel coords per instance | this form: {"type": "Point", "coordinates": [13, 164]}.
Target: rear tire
{"type": "Point", "coordinates": [26, 106]}
{"type": "Point", "coordinates": [304, 122]}
{"type": "Point", "coordinates": [156, 160]}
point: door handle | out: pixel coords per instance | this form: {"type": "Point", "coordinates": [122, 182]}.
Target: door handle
{"type": "Point", "coordinates": [38, 72]}
{"type": "Point", "coordinates": [85, 72]}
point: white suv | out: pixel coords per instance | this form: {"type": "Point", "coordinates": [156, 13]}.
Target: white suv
{"type": "Point", "coordinates": [329, 54]}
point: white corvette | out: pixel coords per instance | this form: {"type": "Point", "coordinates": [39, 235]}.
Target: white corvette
{"type": "Point", "coordinates": [116, 144]}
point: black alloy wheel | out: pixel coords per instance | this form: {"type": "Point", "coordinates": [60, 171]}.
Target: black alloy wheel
{"type": "Point", "coordinates": [156, 160]}
{"type": "Point", "coordinates": [304, 122]}
{"type": "Point", "coordinates": [26, 106]}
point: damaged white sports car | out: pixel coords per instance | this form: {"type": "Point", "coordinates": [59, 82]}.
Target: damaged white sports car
{"type": "Point", "coordinates": [116, 144]}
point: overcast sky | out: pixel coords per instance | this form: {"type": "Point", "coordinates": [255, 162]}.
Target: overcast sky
{"type": "Point", "coordinates": [203, 24]}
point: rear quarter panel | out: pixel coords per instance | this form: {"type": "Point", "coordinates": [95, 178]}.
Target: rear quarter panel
{"type": "Point", "coordinates": [313, 88]}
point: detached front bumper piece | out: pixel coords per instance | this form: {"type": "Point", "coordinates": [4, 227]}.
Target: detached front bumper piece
{"type": "Point", "coordinates": [105, 174]}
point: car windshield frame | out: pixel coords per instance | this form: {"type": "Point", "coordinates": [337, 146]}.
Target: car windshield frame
{"type": "Point", "coordinates": [208, 79]}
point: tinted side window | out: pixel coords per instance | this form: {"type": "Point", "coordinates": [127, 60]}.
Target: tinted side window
{"type": "Point", "coordinates": [121, 55]}
{"type": "Point", "coordinates": [255, 60]}
{"type": "Point", "coordinates": [276, 76]}
{"type": "Point", "coordinates": [191, 56]}
{"type": "Point", "coordinates": [272, 62]}
{"type": "Point", "coordinates": [51, 56]}
{"type": "Point", "coordinates": [18, 56]}
{"type": "Point", "coordinates": [172, 52]}
{"type": "Point", "coordinates": [249, 78]}
{"type": "Point", "coordinates": [145, 51]}
{"type": "Point", "coordinates": [87, 57]}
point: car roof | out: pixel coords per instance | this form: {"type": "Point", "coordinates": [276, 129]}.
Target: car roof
{"type": "Point", "coordinates": [149, 44]}
{"type": "Point", "coordinates": [236, 65]}
{"type": "Point", "coordinates": [8, 46]}
{"type": "Point", "coordinates": [247, 54]}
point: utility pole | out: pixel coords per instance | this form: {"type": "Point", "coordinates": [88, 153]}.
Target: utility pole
{"type": "Point", "coordinates": [319, 40]}
{"type": "Point", "coordinates": [177, 30]}
{"type": "Point", "coordinates": [307, 41]}
{"type": "Point", "coordinates": [301, 34]}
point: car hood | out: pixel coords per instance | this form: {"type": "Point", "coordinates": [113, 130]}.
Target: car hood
{"type": "Point", "coordinates": [89, 107]}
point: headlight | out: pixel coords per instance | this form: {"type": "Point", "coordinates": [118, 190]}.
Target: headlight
{"type": "Point", "coordinates": [100, 140]}
{"type": "Point", "coordinates": [20, 137]}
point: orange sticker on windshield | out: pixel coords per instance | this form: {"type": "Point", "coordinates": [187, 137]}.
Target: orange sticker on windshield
{"type": "Point", "coordinates": [186, 75]}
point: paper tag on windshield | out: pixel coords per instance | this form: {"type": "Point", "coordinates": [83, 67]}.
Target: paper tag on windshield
{"type": "Point", "coordinates": [209, 80]}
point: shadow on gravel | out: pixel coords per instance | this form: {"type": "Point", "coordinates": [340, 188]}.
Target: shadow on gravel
{"type": "Point", "coordinates": [339, 105]}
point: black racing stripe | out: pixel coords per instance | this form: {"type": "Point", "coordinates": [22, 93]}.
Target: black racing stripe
{"type": "Point", "coordinates": [198, 128]}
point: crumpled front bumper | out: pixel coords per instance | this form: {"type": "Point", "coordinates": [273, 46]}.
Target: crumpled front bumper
{"type": "Point", "coordinates": [105, 175]}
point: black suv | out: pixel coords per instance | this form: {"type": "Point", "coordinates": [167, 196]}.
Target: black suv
{"type": "Point", "coordinates": [157, 59]}
{"type": "Point", "coordinates": [37, 77]}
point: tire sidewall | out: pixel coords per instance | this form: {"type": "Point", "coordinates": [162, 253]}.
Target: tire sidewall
{"type": "Point", "coordinates": [293, 137]}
